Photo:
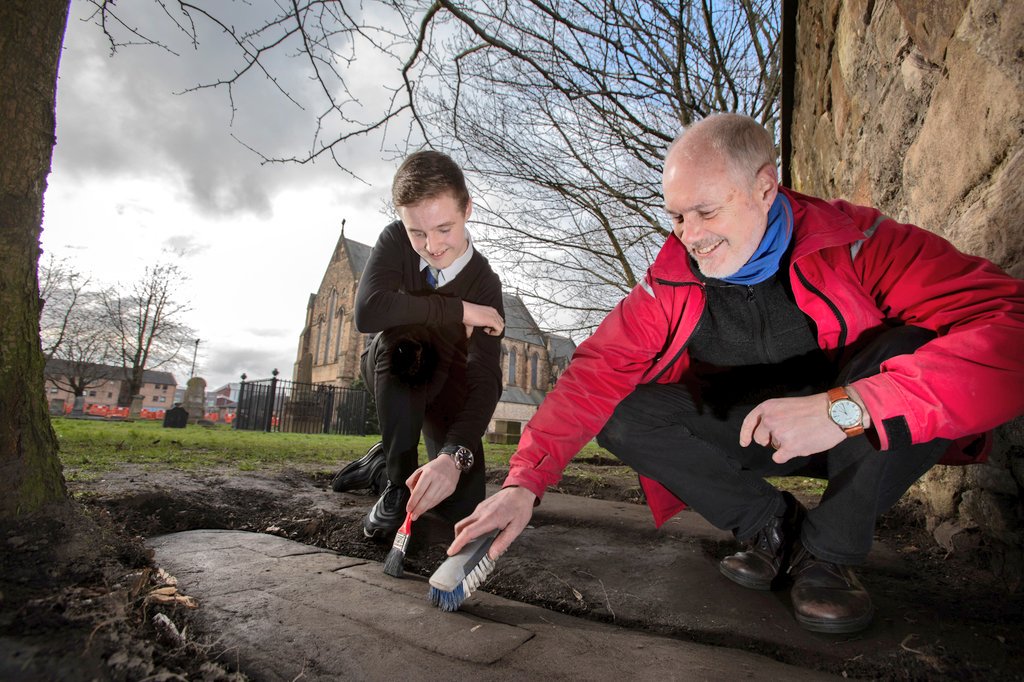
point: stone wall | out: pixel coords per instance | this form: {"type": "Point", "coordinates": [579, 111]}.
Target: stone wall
{"type": "Point", "coordinates": [917, 107]}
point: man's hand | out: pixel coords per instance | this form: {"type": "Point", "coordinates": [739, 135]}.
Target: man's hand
{"type": "Point", "coordinates": [431, 484]}
{"type": "Point", "coordinates": [508, 510]}
{"type": "Point", "coordinates": [483, 316]}
{"type": "Point", "coordinates": [795, 427]}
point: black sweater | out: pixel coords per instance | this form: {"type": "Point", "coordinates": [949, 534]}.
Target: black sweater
{"type": "Point", "coordinates": [393, 291]}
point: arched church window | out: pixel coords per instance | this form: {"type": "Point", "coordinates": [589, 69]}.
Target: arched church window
{"type": "Point", "coordinates": [512, 367]}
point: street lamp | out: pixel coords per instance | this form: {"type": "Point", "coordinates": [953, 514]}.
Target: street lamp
{"type": "Point", "coordinates": [194, 353]}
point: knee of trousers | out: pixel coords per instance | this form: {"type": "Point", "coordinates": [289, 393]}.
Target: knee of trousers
{"type": "Point", "coordinates": [615, 434]}
{"type": "Point", "coordinates": [406, 353]}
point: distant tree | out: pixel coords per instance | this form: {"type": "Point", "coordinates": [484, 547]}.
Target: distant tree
{"type": "Point", "coordinates": [75, 339]}
{"type": "Point", "coordinates": [61, 289]}
{"type": "Point", "coordinates": [146, 326]}
{"type": "Point", "coordinates": [565, 110]}
{"type": "Point", "coordinates": [82, 360]}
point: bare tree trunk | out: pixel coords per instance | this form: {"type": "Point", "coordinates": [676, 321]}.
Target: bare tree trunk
{"type": "Point", "coordinates": [31, 34]}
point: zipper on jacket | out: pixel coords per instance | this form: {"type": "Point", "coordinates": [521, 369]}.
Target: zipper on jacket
{"type": "Point", "coordinates": [832, 306]}
{"type": "Point", "coordinates": [679, 354]}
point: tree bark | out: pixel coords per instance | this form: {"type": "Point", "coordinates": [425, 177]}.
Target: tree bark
{"type": "Point", "coordinates": [31, 35]}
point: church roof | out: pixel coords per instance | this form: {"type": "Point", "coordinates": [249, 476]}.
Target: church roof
{"type": "Point", "coordinates": [519, 324]}
{"type": "Point", "coordinates": [358, 254]}
{"type": "Point", "coordinates": [561, 347]}
{"type": "Point", "coordinates": [514, 394]}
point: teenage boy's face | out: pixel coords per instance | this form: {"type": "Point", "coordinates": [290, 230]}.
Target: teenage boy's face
{"type": "Point", "coordinates": [437, 228]}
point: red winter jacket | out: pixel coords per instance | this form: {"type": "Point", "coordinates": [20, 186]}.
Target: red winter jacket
{"type": "Point", "coordinates": [852, 271]}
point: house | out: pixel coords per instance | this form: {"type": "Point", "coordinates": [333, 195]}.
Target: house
{"type": "Point", "coordinates": [330, 345]}
{"type": "Point", "coordinates": [223, 401]}
{"type": "Point", "coordinates": [101, 384]}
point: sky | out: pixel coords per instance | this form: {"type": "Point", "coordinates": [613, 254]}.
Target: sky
{"type": "Point", "coordinates": [141, 173]}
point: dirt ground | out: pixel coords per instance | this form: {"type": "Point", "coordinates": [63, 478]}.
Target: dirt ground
{"type": "Point", "coordinates": [98, 614]}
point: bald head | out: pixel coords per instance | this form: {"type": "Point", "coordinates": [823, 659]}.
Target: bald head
{"type": "Point", "coordinates": [740, 141]}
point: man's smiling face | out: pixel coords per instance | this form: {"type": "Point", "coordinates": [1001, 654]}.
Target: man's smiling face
{"type": "Point", "coordinates": [718, 215]}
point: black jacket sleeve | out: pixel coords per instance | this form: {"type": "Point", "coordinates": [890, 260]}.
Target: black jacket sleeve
{"type": "Point", "coordinates": [483, 371]}
{"type": "Point", "coordinates": [384, 299]}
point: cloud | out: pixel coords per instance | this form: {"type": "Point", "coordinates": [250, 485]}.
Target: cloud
{"type": "Point", "coordinates": [255, 363]}
{"type": "Point", "coordinates": [184, 245]}
{"type": "Point", "coordinates": [120, 117]}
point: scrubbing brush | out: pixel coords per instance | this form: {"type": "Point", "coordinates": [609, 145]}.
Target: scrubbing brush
{"type": "Point", "coordinates": [460, 575]}
{"type": "Point", "coordinates": [395, 562]}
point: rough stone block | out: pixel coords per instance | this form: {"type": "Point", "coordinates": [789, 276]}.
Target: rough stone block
{"type": "Point", "coordinates": [993, 478]}
{"type": "Point", "coordinates": [931, 24]}
{"type": "Point", "coordinates": [985, 109]}
{"type": "Point", "coordinates": [939, 490]}
{"type": "Point", "coordinates": [996, 515]}
{"type": "Point", "coordinates": [996, 30]}
{"type": "Point", "coordinates": [990, 223]}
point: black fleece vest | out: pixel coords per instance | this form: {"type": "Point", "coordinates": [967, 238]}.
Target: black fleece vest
{"type": "Point", "coordinates": [753, 343]}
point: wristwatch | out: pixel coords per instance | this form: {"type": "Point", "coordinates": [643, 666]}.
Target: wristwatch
{"type": "Point", "coordinates": [463, 457]}
{"type": "Point", "coordinates": [844, 412]}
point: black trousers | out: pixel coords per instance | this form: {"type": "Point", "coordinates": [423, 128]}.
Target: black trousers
{"type": "Point", "coordinates": [664, 434]}
{"type": "Point", "coordinates": [418, 379]}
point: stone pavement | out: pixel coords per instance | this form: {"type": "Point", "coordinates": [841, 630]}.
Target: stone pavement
{"type": "Point", "coordinates": [287, 611]}
{"type": "Point", "coordinates": [656, 605]}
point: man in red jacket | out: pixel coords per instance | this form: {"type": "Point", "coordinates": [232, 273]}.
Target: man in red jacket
{"type": "Point", "coordinates": [778, 334]}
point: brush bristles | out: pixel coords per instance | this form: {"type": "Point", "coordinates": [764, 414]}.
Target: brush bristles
{"type": "Point", "coordinates": [395, 561]}
{"type": "Point", "coordinates": [447, 601]}
{"type": "Point", "coordinates": [451, 601]}
{"type": "Point", "coordinates": [394, 565]}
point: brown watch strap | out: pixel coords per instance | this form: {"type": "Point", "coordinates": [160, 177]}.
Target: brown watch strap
{"type": "Point", "coordinates": [839, 393]}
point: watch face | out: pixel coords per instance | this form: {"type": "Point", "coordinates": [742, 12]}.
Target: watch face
{"type": "Point", "coordinates": [846, 413]}
{"type": "Point", "coordinates": [463, 458]}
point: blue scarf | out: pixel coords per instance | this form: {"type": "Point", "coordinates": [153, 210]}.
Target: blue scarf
{"type": "Point", "coordinates": [765, 261]}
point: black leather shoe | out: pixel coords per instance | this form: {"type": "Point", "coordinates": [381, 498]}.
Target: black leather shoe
{"type": "Point", "coordinates": [388, 513]}
{"type": "Point", "coordinates": [369, 471]}
{"type": "Point", "coordinates": [769, 552]}
{"type": "Point", "coordinates": [828, 597]}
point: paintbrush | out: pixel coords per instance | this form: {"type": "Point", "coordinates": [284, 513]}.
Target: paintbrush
{"type": "Point", "coordinates": [395, 562]}
{"type": "Point", "coordinates": [460, 575]}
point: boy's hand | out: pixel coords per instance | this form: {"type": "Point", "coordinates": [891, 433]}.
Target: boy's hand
{"type": "Point", "coordinates": [431, 484]}
{"type": "Point", "coordinates": [483, 316]}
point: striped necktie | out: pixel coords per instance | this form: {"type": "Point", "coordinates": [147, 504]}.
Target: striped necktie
{"type": "Point", "coordinates": [432, 274]}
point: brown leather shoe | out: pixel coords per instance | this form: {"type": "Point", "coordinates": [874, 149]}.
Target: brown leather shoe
{"type": "Point", "coordinates": [770, 550]}
{"type": "Point", "coordinates": [828, 597]}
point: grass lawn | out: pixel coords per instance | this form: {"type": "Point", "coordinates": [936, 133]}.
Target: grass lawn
{"type": "Point", "coordinates": [97, 445]}
{"type": "Point", "coordinates": [88, 447]}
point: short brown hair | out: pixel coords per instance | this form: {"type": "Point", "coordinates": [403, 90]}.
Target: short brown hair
{"type": "Point", "coordinates": [425, 175]}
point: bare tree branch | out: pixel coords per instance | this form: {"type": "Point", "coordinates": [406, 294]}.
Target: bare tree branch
{"type": "Point", "coordinates": [561, 112]}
